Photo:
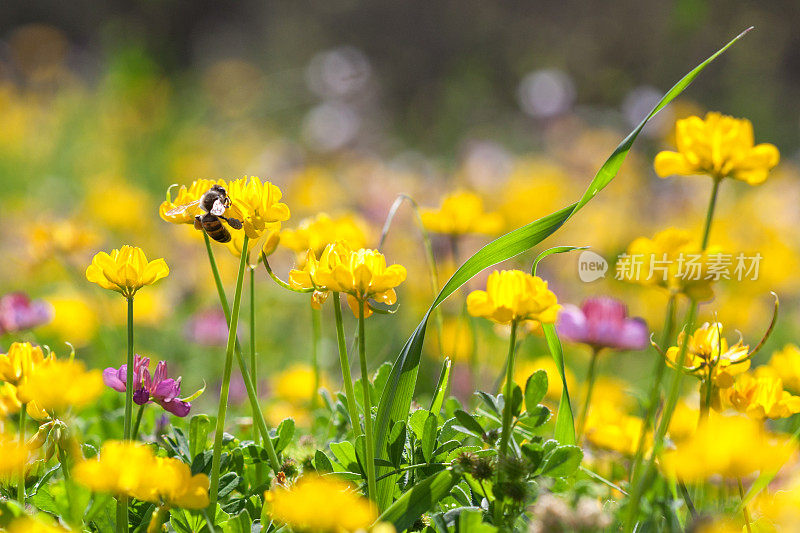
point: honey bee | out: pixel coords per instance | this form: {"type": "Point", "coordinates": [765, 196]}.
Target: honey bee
{"type": "Point", "coordinates": [214, 202]}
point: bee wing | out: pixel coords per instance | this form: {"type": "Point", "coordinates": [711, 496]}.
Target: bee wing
{"type": "Point", "coordinates": [181, 209]}
{"type": "Point", "coordinates": [218, 208]}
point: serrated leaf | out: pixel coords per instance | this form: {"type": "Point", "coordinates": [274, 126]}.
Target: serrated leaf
{"type": "Point", "coordinates": [563, 461]}
{"type": "Point", "coordinates": [535, 389]}
{"type": "Point", "coordinates": [396, 397]}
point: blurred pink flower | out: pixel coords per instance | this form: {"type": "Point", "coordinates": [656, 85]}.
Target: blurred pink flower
{"type": "Point", "coordinates": [207, 328]}
{"type": "Point", "coordinates": [602, 322]}
{"type": "Point", "coordinates": [18, 313]}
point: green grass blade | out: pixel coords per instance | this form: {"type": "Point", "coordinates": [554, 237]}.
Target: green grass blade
{"type": "Point", "coordinates": [398, 392]}
{"type": "Point", "coordinates": [565, 423]}
{"type": "Point", "coordinates": [420, 499]}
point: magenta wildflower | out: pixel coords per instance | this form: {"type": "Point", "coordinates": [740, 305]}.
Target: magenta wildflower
{"type": "Point", "coordinates": [602, 322]}
{"type": "Point", "coordinates": [208, 328]}
{"type": "Point", "coordinates": [157, 387]}
{"type": "Point", "coordinates": [18, 313]}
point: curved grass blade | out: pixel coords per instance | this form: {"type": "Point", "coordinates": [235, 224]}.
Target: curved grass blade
{"type": "Point", "coordinates": [398, 392]}
{"type": "Point", "coordinates": [420, 499]}
{"type": "Point", "coordinates": [565, 422]}
{"type": "Point", "coordinates": [551, 251]}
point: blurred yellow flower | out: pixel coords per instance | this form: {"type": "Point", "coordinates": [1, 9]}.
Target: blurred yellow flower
{"type": "Point", "coordinates": [30, 525]}
{"type": "Point", "coordinates": [259, 203]}
{"type": "Point", "coordinates": [17, 365]}
{"type": "Point", "coordinates": [729, 446]}
{"type": "Point", "coordinates": [74, 319]}
{"type": "Point", "coordinates": [131, 469]}
{"type": "Point", "coordinates": [125, 270]}
{"type": "Point", "coordinates": [13, 456]}
{"type": "Point", "coordinates": [609, 428]}
{"type": "Point", "coordinates": [61, 237]}
{"type": "Point", "coordinates": [62, 384]}
{"type": "Point", "coordinates": [461, 213]}
{"type": "Point", "coordinates": [295, 384]}
{"type": "Point", "coordinates": [114, 203]}
{"type": "Point", "coordinates": [719, 146]}
{"type": "Point", "coordinates": [514, 295]}
{"type": "Point", "coordinates": [684, 421]}
{"type": "Point", "coordinates": [761, 397]}
{"type": "Point", "coordinates": [320, 504]}
{"type": "Point", "coordinates": [786, 365]}
{"type": "Point", "coordinates": [457, 341]}
{"type": "Point", "coordinates": [781, 507]}
{"type": "Point", "coordinates": [671, 260]}
{"type": "Point", "coordinates": [317, 232]}
{"type": "Point", "coordinates": [186, 195]}
{"type": "Point", "coordinates": [708, 351]}
{"type": "Point", "coordinates": [554, 384]}
{"type": "Point", "coordinates": [10, 404]}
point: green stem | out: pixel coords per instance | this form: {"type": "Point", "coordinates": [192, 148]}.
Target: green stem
{"type": "Point", "coordinates": [712, 203]}
{"type": "Point", "coordinates": [135, 432]}
{"type": "Point", "coordinates": [316, 335]}
{"type": "Point", "coordinates": [21, 484]}
{"type": "Point", "coordinates": [122, 501]}
{"type": "Point", "coordinates": [248, 382]}
{"type": "Point", "coordinates": [509, 392]}
{"type": "Point", "coordinates": [344, 362]}
{"type": "Point", "coordinates": [745, 512]}
{"type": "Point", "coordinates": [369, 443]}
{"type": "Point", "coordinates": [226, 381]}
{"type": "Point", "coordinates": [254, 367]}
{"type": "Point", "coordinates": [590, 378]}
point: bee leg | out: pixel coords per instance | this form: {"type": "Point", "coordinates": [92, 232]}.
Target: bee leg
{"type": "Point", "coordinates": [197, 224]}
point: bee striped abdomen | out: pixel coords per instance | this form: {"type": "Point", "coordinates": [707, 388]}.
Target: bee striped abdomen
{"type": "Point", "coordinates": [215, 229]}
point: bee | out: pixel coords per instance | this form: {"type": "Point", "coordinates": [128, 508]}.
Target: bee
{"type": "Point", "coordinates": [214, 202]}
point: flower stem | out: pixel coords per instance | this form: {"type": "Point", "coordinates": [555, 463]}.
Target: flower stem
{"type": "Point", "coordinates": [122, 501]}
{"type": "Point", "coordinates": [344, 362]}
{"type": "Point", "coordinates": [21, 484]}
{"type": "Point", "coordinates": [226, 381]}
{"type": "Point", "coordinates": [316, 335]}
{"type": "Point", "coordinates": [712, 203]}
{"type": "Point", "coordinates": [590, 378]}
{"type": "Point", "coordinates": [745, 512]}
{"type": "Point", "coordinates": [509, 392]}
{"type": "Point", "coordinates": [135, 432]}
{"type": "Point", "coordinates": [369, 444]}
{"type": "Point", "coordinates": [248, 383]}
{"type": "Point", "coordinates": [254, 367]}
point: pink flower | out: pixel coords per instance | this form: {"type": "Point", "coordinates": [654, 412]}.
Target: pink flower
{"type": "Point", "coordinates": [157, 388]}
{"type": "Point", "coordinates": [18, 313]}
{"type": "Point", "coordinates": [602, 322]}
{"type": "Point", "coordinates": [208, 328]}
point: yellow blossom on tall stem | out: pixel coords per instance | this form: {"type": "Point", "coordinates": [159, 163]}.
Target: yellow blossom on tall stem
{"type": "Point", "coordinates": [317, 232]}
{"type": "Point", "coordinates": [761, 396]}
{"type": "Point", "coordinates": [186, 195]}
{"type": "Point", "coordinates": [259, 203]}
{"type": "Point", "coordinates": [320, 504]}
{"type": "Point", "coordinates": [461, 213]}
{"type": "Point", "coordinates": [719, 146]}
{"type": "Point", "coordinates": [19, 362]}
{"type": "Point", "coordinates": [125, 270]}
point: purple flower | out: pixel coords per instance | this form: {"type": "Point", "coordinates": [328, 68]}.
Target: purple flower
{"type": "Point", "coordinates": [18, 313]}
{"type": "Point", "coordinates": [208, 328]}
{"type": "Point", "coordinates": [602, 323]}
{"type": "Point", "coordinates": [156, 388]}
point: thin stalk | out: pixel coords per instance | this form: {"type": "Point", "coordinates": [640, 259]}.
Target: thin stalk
{"type": "Point", "coordinates": [248, 382]}
{"type": "Point", "coordinates": [712, 204]}
{"type": "Point", "coordinates": [369, 443]}
{"type": "Point", "coordinates": [745, 512]}
{"type": "Point", "coordinates": [590, 378]}
{"type": "Point", "coordinates": [344, 362]}
{"type": "Point", "coordinates": [506, 433]}
{"type": "Point", "coordinates": [135, 432]}
{"type": "Point", "coordinates": [315, 340]}
{"type": "Point", "coordinates": [226, 380]}
{"type": "Point", "coordinates": [21, 484]}
{"type": "Point", "coordinates": [122, 501]}
{"type": "Point", "coordinates": [254, 366]}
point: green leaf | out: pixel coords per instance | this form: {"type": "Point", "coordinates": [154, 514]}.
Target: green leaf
{"type": "Point", "coordinates": [419, 499]}
{"type": "Point", "coordinates": [535, 390]}
{"type": "Point", "coordinates": [199, 427]}
{"type": "Point", "coordinates": [535, 417]}
{"type": "Point", "coordinates": [551, 251]}
{"type": "Point", "coordinates": [345, 454]}
{"type": "Point", "coordinates": [471, 521]}
{"type": "Point", "coordinates": [441, 387]}
{"type": "Point", "coordinates": [399, 390]}
{"type": "Point", "coordinates": [416, 422]}
{"type": "Point", "coordinates": [565, 424]}
{"type": "Point", "coordinates": [563, 462]}
{"type": "Point", "coordinates": [429, 437]}
{"type": "Point", "coordinates": [322, 463]}
{"type": "Point", "coordinates": [516, 400]}
{"type": "Point", "coordinates": [285, 434]}
{"type": "Point", "coordinates": [396, 444]}
{"type": "Point", "coordinates": [469, 423]}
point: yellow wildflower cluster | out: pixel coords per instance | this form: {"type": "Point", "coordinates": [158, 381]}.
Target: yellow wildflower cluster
{"type": "Point", "coordinates": [708, 355]}
{"type": "Point", "coordinates": [513, 295]}
{"type": "Point", "coordinates": [785, 364]}
{"type": "Point", "coordinates": [60, 385]}
{"type": "Point", "coordinates": [461, 213]}
{"type": "Point", "coordinates": [320, 504]}
{"type": "Point", "coordinates": [22, 361]}
{"type": "Point", "coordinates": [719, 146]}
{"type": "Point", "coordinates": [317, 232]}
{"type": "Point", "coordinates": [30, 525]}
{"type": "Point", "coordinates": [186, 195]}
{"type": "Point", "coordinates": [259, 202]}
{"type": "Point", "coordinates": [131, 469]}
{"type": "Point", "coordinates": [361, 274]}
{"type": "Point", "coordinates": [125, 270]}
{"type": "Point", "coordinates": [13, 456]}
{"type": "Point", "coordinates": [761, 396]}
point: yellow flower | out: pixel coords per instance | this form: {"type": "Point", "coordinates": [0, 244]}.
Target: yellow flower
{"type": "Point", "coordinates": [782, 507]}
{"type": "Point", "coordinates": [317, 232]}
{"type": "Point", "coordinates": [20, 361]}
{"type": "Point", "coordinates": [114, 202]}
{"type": "Point", "coordinates": [457, 340]}
{"type": "Point", "coordinates": [74, 320]}
{"type": "Point", "coordinates": [131, 469]}
{"type": "Point", "coordinates": [13, 456]}
{"type": "Point", "coordinates": [762, 397]}
{"type": "Point", "coordinates": [321, 505]}
{"type": "Point", "coordinates": [683, 422]}
{"type": "Point", "coordinates": [671, 260]}
{"type": "Point", "coordinates": [524, 370]}
{"type": "Point", "coordinates": [259, 203]}
{"type": "Point", "coordinates": [611, 429]}
{"type": "Point", "coordinates": [62, 384]}
{"type": "Point", "coordinates": [30, 525]}
{"type": "Point", "coordinates": [461, 213]}
{"type": "Point", "coordinates": [729, 446]}
{"type": "Point", "coordinates": [10, 404]}
{"type": "Point", "coordinates": [786, 364]}
{"type": "Point", "coordinates": [270, 242]}
{"type": "Point", "coordinates": [62, 237]}
{"type": "Point", "coordinates": [513, 295]}
{"type": "Point", "coordinates": [304, 278]}
{"type": "Point", "coordinates": [295, 384]}
{"type": "Point", "coordinates": [719, 146]}
{"type": "Point", "coordinates": [125, 270]}
{"type": "Point", "coordinates": [708, 349]}
{"type": "Point", "coordinates": [361, 274]}
{"type": "Point", "coordinates": [194, 192]}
